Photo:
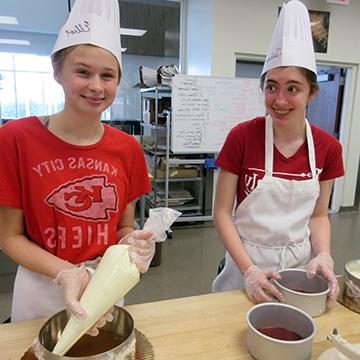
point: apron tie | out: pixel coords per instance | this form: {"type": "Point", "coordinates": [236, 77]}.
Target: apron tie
{"type": "Point", "coordinates": [284, 248]}
{"type": "Point", "coordinates": [282, 264]}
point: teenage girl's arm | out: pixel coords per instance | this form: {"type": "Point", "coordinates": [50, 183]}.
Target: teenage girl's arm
{"type": "Point", "coordinates": [320, 230]}
{"type": "Point", "coordinates": [126, 224]}
{"type": "Point", "coordinates": [223, 207]}
{"type": "Point", "coordinates": [256, 280]}
{"type": "Point", "coordinates": [29, 254]}
{"type": "Point", "coordinates": [320, 237]}
{"type": "Point", "coordinates": [22, 250]}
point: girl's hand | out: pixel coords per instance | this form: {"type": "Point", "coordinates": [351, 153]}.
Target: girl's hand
{"type": "Point", "coordinates": [141, 248]}
{"type": "Point", "coordinates": [73, 282]}
{"type": "Point", "coordinates": [258, 287]}
{"type": "Point", "coordinates": [323, 264]}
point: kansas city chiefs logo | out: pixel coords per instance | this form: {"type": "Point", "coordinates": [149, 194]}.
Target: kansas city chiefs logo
{"type": "Point", "coordinates": [90, 198]}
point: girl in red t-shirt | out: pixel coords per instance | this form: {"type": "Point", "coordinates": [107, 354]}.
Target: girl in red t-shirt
{"type": "Point", "coordinates": [68, 183]}
{"type": "Point", "coordinates": [280, 170]}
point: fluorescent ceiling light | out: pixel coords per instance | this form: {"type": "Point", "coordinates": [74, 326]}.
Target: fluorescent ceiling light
{"type": "Point", "coordinates": [132, 32]}
{"type": "Point", "coordinates": [14, 42]}
{"type": "Point", "coordinates": [8, 20]}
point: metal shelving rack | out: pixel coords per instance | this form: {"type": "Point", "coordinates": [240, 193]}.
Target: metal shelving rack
{"type": "Point", "coordinates": [193, 210]}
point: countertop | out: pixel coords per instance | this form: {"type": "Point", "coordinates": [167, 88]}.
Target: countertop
{"type": "Point", "coordinates": [202, 327]}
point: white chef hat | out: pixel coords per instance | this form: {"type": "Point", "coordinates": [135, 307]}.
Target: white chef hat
{"type": "Point", "coordinates": [95, 22]}
{"type": "Point", "coordinates": [291, 43]}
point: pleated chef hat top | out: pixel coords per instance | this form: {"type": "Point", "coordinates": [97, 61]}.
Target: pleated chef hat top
{"type": "Point", "coordinates": [291, 43]}
{"type": "Point", "coordinates": [95, 22]}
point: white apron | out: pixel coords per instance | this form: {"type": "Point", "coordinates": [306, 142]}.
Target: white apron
{"type": "Point", "coordinates": [36, 296]}
{"type": "Point", "coordinates": [273, 219]}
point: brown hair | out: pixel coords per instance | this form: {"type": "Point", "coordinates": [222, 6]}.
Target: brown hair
{"type": "Point", "coordinates": [308, 74]}
{"type": "Point", "coordinates": [58, 58]}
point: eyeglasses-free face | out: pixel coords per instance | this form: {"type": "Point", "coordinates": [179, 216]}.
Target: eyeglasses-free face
{"type": "Point", "coordinates": [287, 93]}
{"type": "Point", "coordinates": [89, 77]}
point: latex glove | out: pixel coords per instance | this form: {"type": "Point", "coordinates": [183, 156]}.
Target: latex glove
{"type": "Point", "coordinates": [141, 249]}
{"type": "Point", "coordinates": [73, 282]}
{"type": "Point", "coordinates": [323, 264]}
{"type": "Point", "coordinates": [258, 287]}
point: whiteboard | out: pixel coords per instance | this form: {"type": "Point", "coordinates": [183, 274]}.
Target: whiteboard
{"type": "Point", "coordinates": [205, 108]}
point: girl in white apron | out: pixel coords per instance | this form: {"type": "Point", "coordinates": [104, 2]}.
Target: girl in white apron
{"type": "Point", "coordinates": [280, 222]}
{"type": "Point", "coordinates": [270, 244]}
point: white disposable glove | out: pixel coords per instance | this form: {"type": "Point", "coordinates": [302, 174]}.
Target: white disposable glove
{"type": "Point", "coordinates": [73, 282]}
{"type": "Point", "coordinates": [141, 249]}
{"type": "Point", "coordinates": [258, 287]}
{"type": "Point", "coordinates": [323, 264]}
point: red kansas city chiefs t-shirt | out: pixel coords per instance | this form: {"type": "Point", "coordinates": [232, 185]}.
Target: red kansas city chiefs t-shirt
{"type": "Point", "coordinates": [73, 197]}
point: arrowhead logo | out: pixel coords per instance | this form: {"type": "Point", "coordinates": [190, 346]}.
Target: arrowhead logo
{"type": "Point", "coordinates": [89, 198]}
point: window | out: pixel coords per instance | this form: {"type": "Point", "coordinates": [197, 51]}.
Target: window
{"type": "Point", "coordinates": [28, 84]}
{"type": "Point", "coordinates": [27, 87]}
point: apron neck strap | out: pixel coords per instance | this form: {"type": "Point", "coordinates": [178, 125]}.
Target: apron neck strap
{"type": "Point", "coordinates": [269, 147]}
{"type": "Point", "coordinates": [311, 149]}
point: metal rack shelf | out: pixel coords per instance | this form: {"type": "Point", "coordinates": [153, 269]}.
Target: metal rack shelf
{"type": "Point", "coordinates": [160, 151]}
{"type": "Point", "coordinates": [185, 179]}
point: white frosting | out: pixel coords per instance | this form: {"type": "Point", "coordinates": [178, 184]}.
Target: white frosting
{"type": "Point", "coordinates": [113, 278]}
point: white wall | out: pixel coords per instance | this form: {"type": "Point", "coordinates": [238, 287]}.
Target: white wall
{"type": "Point", "coordinates": [244, 28]}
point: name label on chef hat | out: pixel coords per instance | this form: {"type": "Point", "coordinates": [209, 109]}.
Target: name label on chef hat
{"type": "Point", "coordinates": [275, 54]}
{"type": "Point", "coordinates": [79, 28]}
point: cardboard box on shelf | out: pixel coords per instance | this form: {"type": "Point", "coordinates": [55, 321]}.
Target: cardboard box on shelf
{"type": "Point", "coordinates": [176, 172]}
{"type": "Point", "coordinates": [158, 169]}
{"type": "Point", "coordinates": [176, 195]}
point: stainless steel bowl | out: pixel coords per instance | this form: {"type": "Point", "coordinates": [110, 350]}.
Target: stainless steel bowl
{"type": "Point", "coordinates": [352, 271]}
{"type": "Point", "coordinates": [119, 335]}
{"type": "Point", "coordinates": [352, 280]}
{"type": "Point", "coordinates": [277, 315]}
{"type": "Point", "coordinates": [306, 294]}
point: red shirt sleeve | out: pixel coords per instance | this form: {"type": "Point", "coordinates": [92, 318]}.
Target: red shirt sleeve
{"type": "Point", "coordinates": [139, 177]}
{"type": "Point", "coordinates": [329, 152]}
{"type": "Point", "coordinates": [231, 155]}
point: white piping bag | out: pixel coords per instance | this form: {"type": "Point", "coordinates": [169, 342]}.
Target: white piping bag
{"type": "Point", "coordinates": [114, 277]}
{"type": "Point", "coordinates": [350, 351]}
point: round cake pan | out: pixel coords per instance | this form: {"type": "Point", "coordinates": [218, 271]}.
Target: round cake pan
{"type": "Point", "coordinates": [279, 316]}
{"type": "Point", "coordinates": [306, 294]}
{"type": "Point", "coordinates": [116, 339]}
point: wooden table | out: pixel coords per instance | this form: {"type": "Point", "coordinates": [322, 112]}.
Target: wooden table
{"type": "Point", "coordinates": [206, 327]}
